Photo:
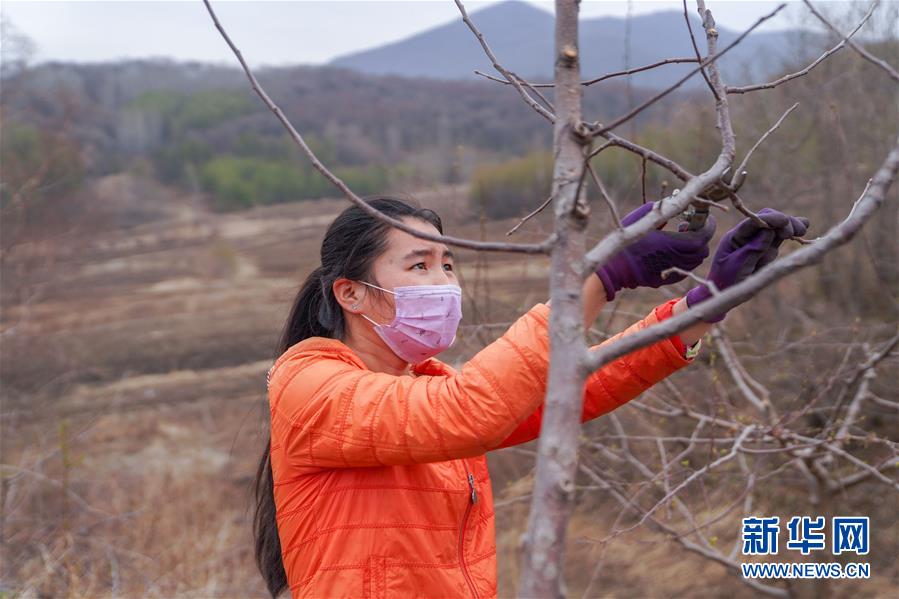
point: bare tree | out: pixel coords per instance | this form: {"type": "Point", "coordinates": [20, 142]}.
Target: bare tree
{"type": "Point", "coordinates": [572, 361]}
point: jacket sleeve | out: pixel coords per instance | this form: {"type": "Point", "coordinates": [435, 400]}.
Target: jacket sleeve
{"type": "Point", "coordinates": [619, 381]}
{"type": "Point", "coordinates": [331, 413]}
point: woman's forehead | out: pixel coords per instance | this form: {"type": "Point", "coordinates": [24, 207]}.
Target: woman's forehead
{"type": "Point", "coordinates": [404, 245]}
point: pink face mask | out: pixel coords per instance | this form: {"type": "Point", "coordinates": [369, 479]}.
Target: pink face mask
{"type": "Point", "coordinates": [426, 320]}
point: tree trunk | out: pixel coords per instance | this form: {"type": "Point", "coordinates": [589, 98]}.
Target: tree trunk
{"type": "Point", "coordinates": [553, 494]}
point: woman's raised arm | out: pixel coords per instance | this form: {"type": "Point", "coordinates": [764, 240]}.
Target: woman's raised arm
{"type": "Point", "coordinates": [327, 412]}
{"type": "Point", "coordinates": [621, 380]}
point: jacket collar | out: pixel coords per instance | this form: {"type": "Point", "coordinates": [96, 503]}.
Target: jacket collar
{"type": "Point", "coordinates": [338, 349]}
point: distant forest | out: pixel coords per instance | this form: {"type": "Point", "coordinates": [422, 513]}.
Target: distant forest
{"type": "Point", "coordinates": [197, 124]}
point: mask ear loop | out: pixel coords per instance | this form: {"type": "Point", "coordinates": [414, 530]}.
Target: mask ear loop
{"type": "Point", "coordinates": [375, 286]}
{"type": "Point", "coordinates": [369, 319]}
{"type": "Point", "coordinates": [382, 289]}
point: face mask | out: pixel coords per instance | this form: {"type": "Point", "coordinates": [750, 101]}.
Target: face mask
{"type": "Point", "coordinates": [426, 320]}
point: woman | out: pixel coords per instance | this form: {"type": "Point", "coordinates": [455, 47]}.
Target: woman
{"type": "Point", "coordinates": [374, 482]}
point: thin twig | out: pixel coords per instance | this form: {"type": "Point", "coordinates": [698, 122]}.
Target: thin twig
{"type": "Point", "coordinates": [740, 175]}
{"type": "Point", "coordinates": [601, 78]}
{"type": "Point", "coordinates": [772, 84]}
{"type": "Point", "coordinates": [597, 129]}
{"type": "Point", "coordinates": [613, 210]}
{"type": "Point", "coordinates": [531, 215]}
{"type": "Point", "coordinates": [879, 62]}
{"type": "Point", "coordinates": [639, 69]}
{"type": "Point", "coordinates": [496, 65]}
{"type": "Point", "coordinates": [701, 280]}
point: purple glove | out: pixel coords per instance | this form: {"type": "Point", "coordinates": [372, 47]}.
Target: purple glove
{"type": "Point", "coordinates": [641, 264]}
{"type": "Point", "coordinates": [744, 250]}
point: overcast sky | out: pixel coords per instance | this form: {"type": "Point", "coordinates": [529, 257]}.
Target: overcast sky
{"type": "Point", "coordinates": [280, 32]}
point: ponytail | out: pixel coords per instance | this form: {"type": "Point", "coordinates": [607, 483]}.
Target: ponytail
{"type": "Point", "coordinates": [310, 316]}
{"type": "Point", "coordinates": [266, 543]}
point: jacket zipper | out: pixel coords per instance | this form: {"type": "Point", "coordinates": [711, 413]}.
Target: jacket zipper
{"type": "Point", "coordinates": [474, 500]}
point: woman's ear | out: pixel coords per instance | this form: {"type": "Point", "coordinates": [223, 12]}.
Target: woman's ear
{"type": "Point", "coordinates": [347, 294]}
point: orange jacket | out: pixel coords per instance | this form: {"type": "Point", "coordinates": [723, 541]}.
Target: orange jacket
{"type": "Point", "coordinates": [381, 483]}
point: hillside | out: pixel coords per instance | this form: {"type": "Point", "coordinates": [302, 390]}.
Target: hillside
{"type": "Point", "coordinates": [520, 35]}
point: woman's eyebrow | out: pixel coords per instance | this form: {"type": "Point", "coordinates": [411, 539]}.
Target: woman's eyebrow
{"type": "Point", "coordinates": [427, 252]}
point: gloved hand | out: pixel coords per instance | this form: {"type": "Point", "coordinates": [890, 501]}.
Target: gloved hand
{"type": "Point", "coordinates": [641, 264]}
{"type": "Point", "coordinates": [744, 250]}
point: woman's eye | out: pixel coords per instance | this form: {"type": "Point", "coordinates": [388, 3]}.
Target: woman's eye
{"type": "Point", "coordinates": [445, 266]}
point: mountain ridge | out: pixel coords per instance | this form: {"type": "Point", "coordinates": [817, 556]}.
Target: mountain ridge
{"type": "Point", "coordinates": [521, 36]}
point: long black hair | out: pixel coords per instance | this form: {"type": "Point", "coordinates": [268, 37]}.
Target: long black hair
{"type": "Point", "coordinates": [351, 244]}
